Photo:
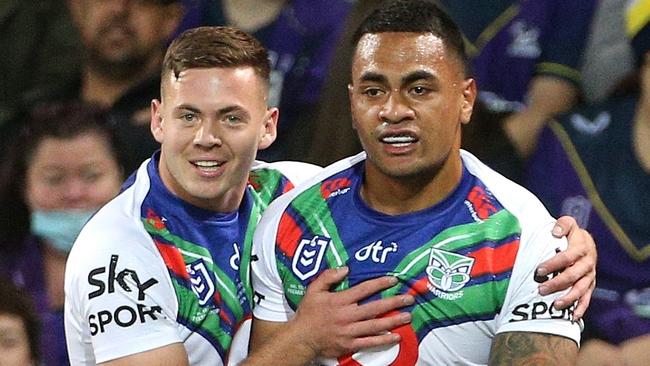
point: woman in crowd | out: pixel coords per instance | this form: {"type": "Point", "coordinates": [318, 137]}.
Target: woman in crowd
{"type": "Point", "coordinates": [63, 166]}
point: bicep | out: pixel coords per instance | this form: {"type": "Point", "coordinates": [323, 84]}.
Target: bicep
{"type": "Point", "coordinates": [173, 355]}
{"type": "Point", "coordinates": [523, 348]}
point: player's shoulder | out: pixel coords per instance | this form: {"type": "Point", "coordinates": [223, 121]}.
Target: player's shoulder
{"type": "Point", "coordinates": [516, 199]}
{"type": "Point", "coordinates": [295, 172]}
{"type": "Point", "coordinates": [317, 180]}
{"type": "Point", "coordinates": [115, 230]}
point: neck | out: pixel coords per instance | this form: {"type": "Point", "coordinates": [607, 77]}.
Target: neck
{"type": "Point", "coordinates": [641, 132]}
{"type": "Point", "coordinates": [105, 89]}
{"type": "Point", "coordinates": [401, 195]}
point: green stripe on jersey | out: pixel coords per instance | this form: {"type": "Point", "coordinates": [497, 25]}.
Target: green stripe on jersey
{"type": "Point", "coordinates": [498, 227]}
{"type": "Point", "coordinates": [200, 317]}
{"type": "Point", "coordinates": [191, 252]}
{"type": "Point", "coordinates": [476, 301]}
{"type": "Point", "coordinates": [318, 218]}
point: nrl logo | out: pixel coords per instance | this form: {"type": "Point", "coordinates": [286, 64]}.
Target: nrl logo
{"type": "Point", "coordinates": [308, 256]}
{"type": "Point", "coordinates": [201, 282]}
{"type": "Point", "coordinates": [448, 271]}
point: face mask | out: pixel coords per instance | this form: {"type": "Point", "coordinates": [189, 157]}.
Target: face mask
{"type": "Point", "coordinates": [59, 228]}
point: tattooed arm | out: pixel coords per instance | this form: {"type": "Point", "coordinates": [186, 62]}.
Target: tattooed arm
{"type": "Point", "coordinates": [527, 348]}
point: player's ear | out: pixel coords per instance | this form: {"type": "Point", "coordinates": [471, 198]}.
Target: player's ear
{"type": "Point", "coordinates": [268, 130]}
{"type": "Point", "coordinates": [469, 96]}
{"type": "Point", "coordinates": [156, 124]}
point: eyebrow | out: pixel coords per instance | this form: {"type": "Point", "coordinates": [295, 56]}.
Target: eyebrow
{"type": "Point", "coordinates": [189, 108]}
{"type": "Point", "coordinates": [375, 77]}
{"type": "Point", "coordinates": [223, 110]}
{"type": "Point", "coordinates": [417, 75]}
{"type": "Point", "coordinates": [371, 76]}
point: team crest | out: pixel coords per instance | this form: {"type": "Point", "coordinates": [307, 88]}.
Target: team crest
{"type": "Point", "coordinates": [448, 271]}
{"type": "Point", "coordinates": [308, 256]}
{"type": "Point", "coordinates": [201, 282]}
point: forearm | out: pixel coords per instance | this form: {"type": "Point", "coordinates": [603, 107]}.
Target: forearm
{"type": "Point", "coordinates": [527, 348]}
{"type": "Point", "coordinates": [285, 345]}
{"type": "Point", "coordinates": [547, 96]}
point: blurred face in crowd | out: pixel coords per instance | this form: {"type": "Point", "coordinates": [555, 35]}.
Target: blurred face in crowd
{"type": "Point", "coordinates": [210, 123]}
{"type": "Point", "coordinates": [124, 33]}
{"type": "Point", "coordinates": [14, 343]}
{"type": "Point", "coordinates": [409, 97]}
{"type": "Point", "coordinates": [78, 173]}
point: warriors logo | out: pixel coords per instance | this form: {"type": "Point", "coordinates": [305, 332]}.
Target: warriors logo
{"type": "Point", "coordinates": [448, 271]}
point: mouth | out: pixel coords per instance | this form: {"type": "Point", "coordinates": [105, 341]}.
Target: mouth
{"type": "Point", "coordinates": [208, 166]}
{"type": "Point", "coordinates": [400, 140]}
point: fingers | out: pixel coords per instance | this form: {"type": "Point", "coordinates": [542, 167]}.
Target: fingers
{"type": "Point", "coordinates": [383, 306]}
{"type": "Point", "coordinates": [364, 289]}
{"type": "Point", "coordinates": [583, 304]}
{"type": "Point", "coordinates": [385, 339]}
{"type": "Point", "coordinates": [380, 325]}
{"type": "Point", "coordinates": [564, 226]}
{"type": "Point", "coordinates": [567, 278]}
{"type": "Point", "coordinates": [328, 278]}
{"type": "Point", "coordinates": [581, 292]}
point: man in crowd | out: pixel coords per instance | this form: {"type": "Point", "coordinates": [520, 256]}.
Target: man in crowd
{"type": "Point", "coordinates": [123, 46]}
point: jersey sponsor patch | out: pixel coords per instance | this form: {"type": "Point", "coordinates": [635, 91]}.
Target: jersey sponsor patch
{"type": "Point", "coordinates": [540, 310]}
{"type": "Point", "coordinates": [104, 280]}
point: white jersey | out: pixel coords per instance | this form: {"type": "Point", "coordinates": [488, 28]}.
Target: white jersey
{"type": "Point", "coordinates": [149, 270]}
{"type": "Point", "coordinates": [469, 260]}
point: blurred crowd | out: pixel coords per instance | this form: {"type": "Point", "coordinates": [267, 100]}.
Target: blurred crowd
{"type": "Point", "coordinates": [564, 108]}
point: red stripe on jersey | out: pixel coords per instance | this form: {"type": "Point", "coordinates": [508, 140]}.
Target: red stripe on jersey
{"type": "Point", "coordinates": [226, 318]}
{"type": "Point", "coordinates": [173, 259]}
{"type": "Point", "coordinates": [287, 187]}
{"type": "Point", "coordinates": [494, 260]}
{"type": "Point", "coordinates": [289, 234]}
{"type": "Point", "coordinates": [419, 287]}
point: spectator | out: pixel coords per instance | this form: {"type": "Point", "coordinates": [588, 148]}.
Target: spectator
{"type": "Point", "coordinates": [603, 152]}
{"type": "Point", "coordinates": [301, 36]}
{"type": "Point", "coordinates": [63, 166]}
{"type": "Point", "coordinates": [525, 58]}
{"type": "Point", "coordinates": [18, 327]}
{"type": "Point", "coordinates": [123, 42]}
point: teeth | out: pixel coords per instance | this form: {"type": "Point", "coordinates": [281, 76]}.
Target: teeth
{"type": "Point", "coordinates": [207, 165]}
{"type": "Point", "coordinates": [398, 140]}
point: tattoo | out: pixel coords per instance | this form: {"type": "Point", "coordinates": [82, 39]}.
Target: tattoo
{"type": "Point", "coordinates": [527, 349]}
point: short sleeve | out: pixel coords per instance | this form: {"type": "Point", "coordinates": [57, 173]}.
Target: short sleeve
{"type": "Point", "coordinates": [525, 310]}
{"type": "Point", "coordinates": [270, 302]}
{"type": "Point", "coordinates": [118, 297]}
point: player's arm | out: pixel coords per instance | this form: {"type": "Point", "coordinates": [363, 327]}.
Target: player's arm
{"type": "Point", "coordinates": [547, 96]}
{"type": "Point", "coordinates": [528, 348]}
{"type": "Point", "coordinates": [329, 324]}
{"type": "Point", "coordinates": [170, 355]}
{"type": "Point", "coordinates": [576, 266]}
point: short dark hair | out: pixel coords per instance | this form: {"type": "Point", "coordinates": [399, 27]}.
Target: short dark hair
{"type": "Point", "coordinates": [206, 47]}
{"type": "Point", "coordinates": [16, 302]}
{"type": "Point", "coordinates": [415, 16]}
